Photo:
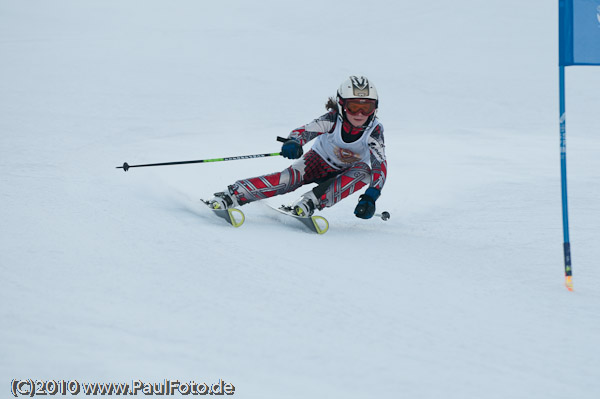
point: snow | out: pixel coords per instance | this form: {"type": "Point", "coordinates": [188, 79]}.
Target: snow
{"type": "Point", "coordinates": [111, 277]}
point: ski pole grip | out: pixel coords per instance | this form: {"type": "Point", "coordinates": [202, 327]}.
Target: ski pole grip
{"type": "Point", "coordinates": [282, 139]}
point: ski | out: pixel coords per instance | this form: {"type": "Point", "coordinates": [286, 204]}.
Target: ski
{"type": "Point", "coordinates": [316, 224]}
{"type": "Point", "coordinates": [233, 216]}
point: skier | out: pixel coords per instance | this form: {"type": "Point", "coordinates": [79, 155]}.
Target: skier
{"type": "Point", "coordinates": [348, 154]}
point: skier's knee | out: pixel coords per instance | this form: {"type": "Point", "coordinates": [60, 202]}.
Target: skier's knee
{"type": "Point", "coordinates": [361, 171]}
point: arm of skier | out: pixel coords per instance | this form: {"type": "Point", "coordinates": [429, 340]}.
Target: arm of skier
{"type": "Point", "coordinates": [378, 160]}
{"type": "Point", "coordinates": [365, 209]}
{"type": "Point", "coordinates": [292, 148]}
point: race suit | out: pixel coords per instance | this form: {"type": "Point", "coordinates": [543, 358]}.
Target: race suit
{"type": "Point", "coordinates": [342, 160]}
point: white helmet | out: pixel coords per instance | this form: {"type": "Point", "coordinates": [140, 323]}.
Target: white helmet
{"type": "Point", "coordinates": [356, 87]}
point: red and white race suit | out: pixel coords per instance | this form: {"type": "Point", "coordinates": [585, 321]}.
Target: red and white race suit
{"type": "Point", "coordinates": [342, 160]}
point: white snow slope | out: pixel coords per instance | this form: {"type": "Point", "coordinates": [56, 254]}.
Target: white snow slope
{"type": "Point", "coordinates": [113, 277]}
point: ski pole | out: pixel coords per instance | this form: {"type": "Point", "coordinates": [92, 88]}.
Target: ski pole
{"type": "Point", "coordinates": [126, 166]}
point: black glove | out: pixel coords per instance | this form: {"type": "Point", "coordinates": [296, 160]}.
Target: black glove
{"type": "Point", "coordinates": [366, 203]}
{"type": "Point", "coordinates": [292, 149]}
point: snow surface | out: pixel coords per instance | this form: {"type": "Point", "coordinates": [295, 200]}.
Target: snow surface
{"type": "Point", "coordinates": [111, 276]}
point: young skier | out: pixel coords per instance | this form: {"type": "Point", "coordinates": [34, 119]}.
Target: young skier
{"type": "Point", "coordinates": [347, 155]}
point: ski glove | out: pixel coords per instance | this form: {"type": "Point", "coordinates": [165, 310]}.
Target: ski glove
{"type": "Point", "coordinates": [291, 149]}
{"type": "Point", "coordinates": [366, 203]}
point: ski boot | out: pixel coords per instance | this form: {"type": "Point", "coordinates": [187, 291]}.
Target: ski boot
{"type": "Point", "coordinates": [223, 200]}
{"type": "Point", "coordinates": [305, 206]}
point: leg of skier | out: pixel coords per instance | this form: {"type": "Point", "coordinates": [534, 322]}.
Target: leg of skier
{"type": "Point", "coordinates": [334, 185]}
{"type": "Point", "coordinates": [333, 190]}
{"type": "Point", "coordinates": [308, 169]}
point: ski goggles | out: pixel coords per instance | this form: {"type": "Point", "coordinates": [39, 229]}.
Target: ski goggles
{"type": "Point", "coordinates": [364, 106]}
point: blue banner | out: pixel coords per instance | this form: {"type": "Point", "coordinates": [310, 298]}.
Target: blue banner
{"type": "Point", "coordinates": [579, 32]}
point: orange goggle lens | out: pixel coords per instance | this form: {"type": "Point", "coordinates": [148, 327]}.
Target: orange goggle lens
{"type": "Point", "coordinates": [366, 107]}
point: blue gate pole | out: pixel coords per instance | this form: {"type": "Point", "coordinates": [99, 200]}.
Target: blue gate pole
{"type": "Point", "coordinates": [563, 170]}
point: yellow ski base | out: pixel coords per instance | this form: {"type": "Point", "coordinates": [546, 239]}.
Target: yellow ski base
{"type": "Point", "coordinates": [236, 217]}
{"type": "Point", "coordinates": [321, 224]}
